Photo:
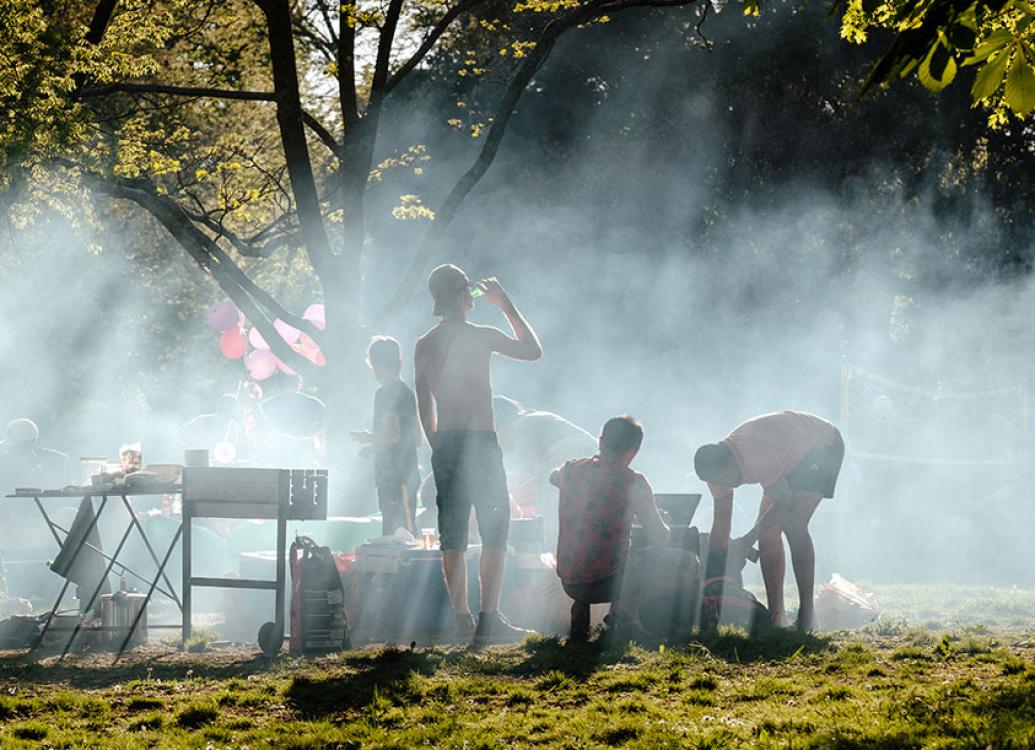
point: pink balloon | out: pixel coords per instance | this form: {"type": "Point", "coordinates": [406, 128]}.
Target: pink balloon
{"type": "Point", "coordinates": [233, 343]}
{"type": "Point", "coordinates": [261, 363]}
{"type": "Point", "coordinates": [256, 339]}
{"type": "Point", "coordinates": [316, 315]}
{"type": "Point", "coordinates": [223, 316]}
{"type": "Point", "coordinates": [311, 351]}
{"type": "Point", "coordinates": [224, 452]}
{"type": "Point", "coordinates": [288, 333]}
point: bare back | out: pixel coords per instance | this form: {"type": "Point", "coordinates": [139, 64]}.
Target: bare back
{"type": "Point", "coordinates": [452, 360]}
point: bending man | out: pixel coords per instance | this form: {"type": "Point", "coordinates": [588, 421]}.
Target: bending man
{"type": "Point", "coordinates": [454, 400]}
{"type": "Point", "coordinates": [796, 457]}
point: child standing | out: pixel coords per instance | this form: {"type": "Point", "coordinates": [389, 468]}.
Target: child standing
{"type": "Point", "coordinates": [393, 438]}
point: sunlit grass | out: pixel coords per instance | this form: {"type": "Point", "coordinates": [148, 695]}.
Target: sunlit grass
{"type": "Point", "coordinates": [896, 683]}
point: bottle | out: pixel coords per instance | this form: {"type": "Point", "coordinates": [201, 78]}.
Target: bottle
{"type": "Point", "coordinates": [476, 292]}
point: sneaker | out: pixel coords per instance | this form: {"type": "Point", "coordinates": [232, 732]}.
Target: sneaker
{"type": "Point", "coordinates": [464, 628]}
{"type": "Point", "coordinates": [494, 628]}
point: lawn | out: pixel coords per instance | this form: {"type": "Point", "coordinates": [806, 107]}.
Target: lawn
{"type": "Point", "coordinates": [935, 673]}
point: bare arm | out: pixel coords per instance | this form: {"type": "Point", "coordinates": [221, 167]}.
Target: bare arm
{"type": "Point", "coordinates": [425, 398]}
{"type": "Point", "coordinates": [782, 498]}
{"type": "Point", "coordinates": [648, 516]}
{"type": "Point", "coordinates": [722, 517]}
{"type": "Point", "coordinates": [525, 344]}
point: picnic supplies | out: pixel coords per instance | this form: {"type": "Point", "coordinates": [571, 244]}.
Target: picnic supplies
{"type": "Point", "coordinates": [842, 605]}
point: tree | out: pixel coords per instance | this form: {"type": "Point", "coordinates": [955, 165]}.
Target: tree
{"type": "Point", "coordinates": [167, 105]}
{"type": "Point", "coordinates": [935, 39]}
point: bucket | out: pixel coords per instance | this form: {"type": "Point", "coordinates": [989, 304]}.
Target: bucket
{"type": "Point", "coordinates": [118, 611]}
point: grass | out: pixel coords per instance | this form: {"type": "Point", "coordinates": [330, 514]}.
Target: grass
{"type": "Point", "coordinates": [893, 684]}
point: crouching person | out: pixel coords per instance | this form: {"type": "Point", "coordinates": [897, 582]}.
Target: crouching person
{"type": "Point", "coordinates": [599, 499]}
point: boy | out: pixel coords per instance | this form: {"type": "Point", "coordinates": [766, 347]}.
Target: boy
{"type": "Point", "coordinates": [394, 438]}
{"type": "Point", "coordinates": [599, 498]}
{"type": "Point", "coordinates": [454, 397]}
{"type": "Point", "coordinates": [796, 457]}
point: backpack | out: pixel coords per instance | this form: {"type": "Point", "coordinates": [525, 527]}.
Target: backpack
{"type": "Point", "coordinates": [318, 622]}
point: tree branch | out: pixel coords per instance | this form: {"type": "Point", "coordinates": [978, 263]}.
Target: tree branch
{"type": "Point", "coordinates": [258, 306]}
{"type": "Point", "coordinates": [322, 133]}
{"type": "Point", "coordinates": [429, 41]}
{"type": "Point", "coordinates": [99, 23]}
{"type": "Point", "coordinates": [347, 97]}
{"type": "Point", "coordinates": [192, 91]}
{"type": "Point", "coordinates": [500, 119]}
{"type": "Point", "coordinates": [384, 48]}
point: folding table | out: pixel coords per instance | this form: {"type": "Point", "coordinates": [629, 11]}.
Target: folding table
{"type": "Point", "coordinates": [88, 495]}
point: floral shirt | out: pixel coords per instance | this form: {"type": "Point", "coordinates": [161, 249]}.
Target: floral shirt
{"type": "Point", "coordinates": [598, 501]}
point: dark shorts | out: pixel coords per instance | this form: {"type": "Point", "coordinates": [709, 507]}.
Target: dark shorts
{"type": "Point", "coordinates": [818, 471]}
{"type": "Point", "coordinates": [646, 569]}
{"type": "Point", "coordinates": [469, 472]}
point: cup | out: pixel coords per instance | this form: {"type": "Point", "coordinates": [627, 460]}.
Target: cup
{"type": "Point", "coordinates": [429, 538]}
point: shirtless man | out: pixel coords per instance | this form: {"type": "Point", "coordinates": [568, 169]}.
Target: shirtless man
{"type": "Point", "coordinates": [454, 400]}
{"type": "Point", "coordinates": [796, 457]}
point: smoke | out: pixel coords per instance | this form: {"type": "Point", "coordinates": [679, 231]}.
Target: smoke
{"type": "Point", "coordinates": [663, 280]}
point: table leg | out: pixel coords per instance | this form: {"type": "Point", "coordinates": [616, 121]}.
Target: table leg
{"type": "Point", "coordinates": [75, 554]}
{"type": "Point", "coordinates": [96, 592]}
{"type": "Point", "coordinates": [50, 524]}
{"type": "Point", "coordinates": [150, 592]}
{"type": "Point", "coordinates": [154, 557]}
{"type": "Point", "coordinates": [50, 617]}
{"type": "Point", "coordinates": [185, 527]}
{"type": "Point", "coordinates": [281, 574]}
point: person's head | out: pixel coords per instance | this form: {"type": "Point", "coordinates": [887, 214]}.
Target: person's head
{"type": "Point", "coordinates": [620, 439]}
{"type": "Point", "coordinates": [384, 358]}
{"type": "Point", "coordinates": [716, 464]}
{"type": "Point", "coordinates": [21, 433]}
{"type": "Point", "coordinates": [451, 290]}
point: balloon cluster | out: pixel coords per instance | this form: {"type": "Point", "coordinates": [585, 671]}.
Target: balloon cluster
{"type": "Point", "coordinates": [237, 338]}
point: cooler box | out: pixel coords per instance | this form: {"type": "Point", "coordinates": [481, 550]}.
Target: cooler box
{"type": "Point", "coordinates": [402, 595]}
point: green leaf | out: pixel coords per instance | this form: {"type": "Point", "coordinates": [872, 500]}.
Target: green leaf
{"type": "Point", "coordinates": [938, 68]}
{"type": "Point", "coordinates": [1020, 85]}
{"type": "Point", "coordinates": [991, 44]}
{"type": "Point", "coordinates": [990, 77]}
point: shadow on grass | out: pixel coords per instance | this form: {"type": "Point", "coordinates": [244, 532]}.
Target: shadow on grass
{"type": "Point", "coordinates": [386, 672]}
{"type": "Point", "coordinates": [545, 655]}
{"type": "Point", "coordinates": [99, 672]}
{"type": "Point", "coordinates": [764, 643]}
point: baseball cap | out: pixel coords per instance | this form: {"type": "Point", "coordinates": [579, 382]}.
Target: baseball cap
{"type": "Point", "coordinates": [444, 283]}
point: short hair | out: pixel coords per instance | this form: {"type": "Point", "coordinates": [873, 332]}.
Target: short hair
{"type": "Point", "coordinates": [445, 284]}
{"type": "Point", "coordinates": [621, 435]}
{"type": "Point", "coordinates": [383, 352]}
{"type": "Point", "coordinates": [711, 459]}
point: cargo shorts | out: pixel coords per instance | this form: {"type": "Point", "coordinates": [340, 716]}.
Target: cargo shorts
{"type": "Point", "coordinates": [468, 467]}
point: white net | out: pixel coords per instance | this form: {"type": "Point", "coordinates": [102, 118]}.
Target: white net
{"type": "Point", "coordinates": [889, 421]}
